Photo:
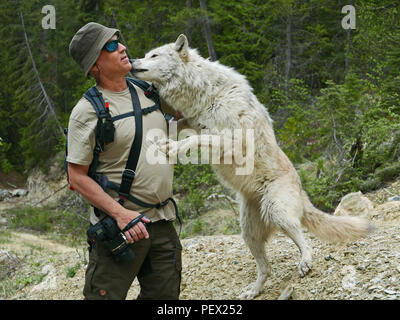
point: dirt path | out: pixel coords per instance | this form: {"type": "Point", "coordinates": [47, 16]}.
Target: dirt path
{"type": "Point", "coordinates": [220, 267]}
{"type": "Point", "coordinates": [21, 242]}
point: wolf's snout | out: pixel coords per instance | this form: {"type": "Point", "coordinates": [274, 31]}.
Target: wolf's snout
{"type": "Point", "coordinates": [134, 70]}
{"type": "Point", "coordinates": [135, 66]}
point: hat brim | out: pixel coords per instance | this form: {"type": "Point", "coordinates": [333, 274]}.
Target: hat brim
{"type": "Point", "coordinates": [95, 51]}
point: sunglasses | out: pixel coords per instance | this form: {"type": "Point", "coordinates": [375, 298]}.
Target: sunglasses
{"type": "Point", "coordinates": [111, 46]}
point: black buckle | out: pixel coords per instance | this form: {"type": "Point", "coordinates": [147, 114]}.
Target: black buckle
{"type": "Point", "coordinates": [149, 92]}
{"type": "Point", "coordinates": [97, 149]}
{"type": "Point", "coordinates": [162, 204]}
{"type": "Point", "coordinates": [127, 177]}
{"type": "Point", "coordinates": [128, 174]}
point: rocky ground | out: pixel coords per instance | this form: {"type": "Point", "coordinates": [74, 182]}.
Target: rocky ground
{"type": "Point", "coordinates": [220, 267]}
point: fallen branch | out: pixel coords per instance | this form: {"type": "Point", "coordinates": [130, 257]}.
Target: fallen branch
{"type": "Point", "coordinates": [224, 196]}
{"type": "Point", "coordinates": [37, 203]}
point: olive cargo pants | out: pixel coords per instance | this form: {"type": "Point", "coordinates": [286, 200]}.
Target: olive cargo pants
{"type": "Point", "coordinates": [157, 264]}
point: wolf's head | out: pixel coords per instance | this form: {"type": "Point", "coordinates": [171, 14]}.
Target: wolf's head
{"type": "Point", "coordinates": [162, 63]}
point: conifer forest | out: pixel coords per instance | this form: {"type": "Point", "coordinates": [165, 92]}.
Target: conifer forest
{"type": "Point", "coordinates": [328, 71]}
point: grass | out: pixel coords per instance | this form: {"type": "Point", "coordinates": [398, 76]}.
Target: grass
{"type": "Point", "coordinates": [19, 272]}
{"type": "Point", "coordinates": [60, 225]}
{"type": "Point", "coordinates": [71, 271]}
{"type": "Point", "coordinates": [70, 227]}
{"type": "Point", "coordinates": [217, 221]}
{"type": "Point", "coordinates": [5, 236]}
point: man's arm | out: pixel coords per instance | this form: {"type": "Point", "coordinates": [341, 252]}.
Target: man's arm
{"type": "Point", "coordinates": [91, 191]}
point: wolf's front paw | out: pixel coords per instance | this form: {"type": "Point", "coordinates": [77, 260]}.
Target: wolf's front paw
{"type": "Point", "coordinates": [173, 148]}
{"type": "Point", "coordinates": [167, 146]}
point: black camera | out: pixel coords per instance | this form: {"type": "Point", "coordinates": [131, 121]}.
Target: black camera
{"type": "Point", "coordinates": [107, 230]}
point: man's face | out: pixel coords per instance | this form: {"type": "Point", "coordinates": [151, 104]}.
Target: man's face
{"type": "Point", "coordinates": [113, 63]}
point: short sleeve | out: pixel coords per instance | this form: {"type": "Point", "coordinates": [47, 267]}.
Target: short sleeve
{"type": "Point", "coordinates": [81, 133]}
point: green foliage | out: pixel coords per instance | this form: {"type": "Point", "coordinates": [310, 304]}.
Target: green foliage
{"type": "Point", "coordinates": [5, 164]}
{"type": "Point", "coordinates": [295, 138]}
{"type": "Point", "coordinates": [293, 52]}
{"type": "Point", "coordinates": [351, 112]}
{"type": "Point", "coordinates": [198, 226]}
{"type": "Point", "coordinates": [194, 183]}
{"type": "Point", "coordinates": [71, 271]}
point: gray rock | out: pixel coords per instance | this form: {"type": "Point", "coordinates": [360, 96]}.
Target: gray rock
{"type": "Point", "coordinates": [19, 193]}
{"type": "Point", "coordinates": [390, 291]}
{"type": "Point", "coordinates": [355, 204]}
{"type": "Point", "coordinates": [4, 194]}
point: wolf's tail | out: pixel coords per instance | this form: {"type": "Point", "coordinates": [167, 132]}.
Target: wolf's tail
{"type": "Point", "coordinates": [333, 228]}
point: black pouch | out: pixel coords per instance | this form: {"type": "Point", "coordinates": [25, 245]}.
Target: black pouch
{"type": "Point", "coordinates": [106, 131]}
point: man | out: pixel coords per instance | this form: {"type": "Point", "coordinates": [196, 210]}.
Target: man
{"type": "Point", "coordinates": [157, 250]}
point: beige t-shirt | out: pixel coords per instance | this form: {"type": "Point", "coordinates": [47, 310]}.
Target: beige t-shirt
{"type": "Point", "coordinates": [153, 181]}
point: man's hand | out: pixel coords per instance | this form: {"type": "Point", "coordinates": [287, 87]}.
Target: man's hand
{"type": "Point", "coordinates": [138, 231]}
{"type": "Point", "coordinates": [86, 186]}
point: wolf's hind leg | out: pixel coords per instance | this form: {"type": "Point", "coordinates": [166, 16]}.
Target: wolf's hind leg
{"type": "Point", "coordinates": [295, 233]}
{"type": "Point", "coordinates": [285, 215]}
{"type": "Point", "coordinates": [255, 234]}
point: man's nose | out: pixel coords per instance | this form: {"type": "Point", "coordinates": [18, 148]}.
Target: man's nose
{"type": "Point", "coordinates": [121, 47]}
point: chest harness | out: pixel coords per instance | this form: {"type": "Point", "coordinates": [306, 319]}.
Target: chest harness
{"type": "Point", "coordinates": [105, 134]}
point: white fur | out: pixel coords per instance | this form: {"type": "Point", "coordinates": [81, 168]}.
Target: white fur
{"type": "Point", "coordinates": [213, 96]}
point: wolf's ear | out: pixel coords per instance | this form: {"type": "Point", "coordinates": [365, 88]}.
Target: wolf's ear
{"type": "Point", "coordinates": [182, 47]}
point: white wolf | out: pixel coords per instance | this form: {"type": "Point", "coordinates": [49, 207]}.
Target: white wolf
{"type": "Point", "coordinates": [213, 96]}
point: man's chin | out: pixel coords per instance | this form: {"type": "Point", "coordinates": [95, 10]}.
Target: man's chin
{"type": "Point", "coordinates": [127, 68]}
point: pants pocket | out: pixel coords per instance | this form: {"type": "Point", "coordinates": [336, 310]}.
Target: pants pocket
{"type": "Point", "coordinates": [178, 255]}
{"type": "Point", "coordinates": [88, 289]}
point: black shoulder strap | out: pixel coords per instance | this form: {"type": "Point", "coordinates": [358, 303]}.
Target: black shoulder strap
{"type": "Point", "coordinates": [149, 90]}
{"type": "Point", "coordinates": [140, 83]}
{"type": "Point", "coordinates": [104, 129]}
{"type": "Point", "coordinates": [96, 99]}
{"type": "Point", "coordinates": [151, 93]}
{"type": "Point", "coordinates": [129, 173]}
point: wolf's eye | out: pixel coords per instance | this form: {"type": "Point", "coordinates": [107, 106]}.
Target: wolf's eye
{"type": "Point", "coordinates": [154, 55]}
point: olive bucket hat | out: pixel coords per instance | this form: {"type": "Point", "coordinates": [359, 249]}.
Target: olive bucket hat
{"type": "Point", "coordinates": [86, 45]}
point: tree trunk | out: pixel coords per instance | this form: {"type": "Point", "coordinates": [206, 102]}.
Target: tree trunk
{"type": "Point", "coordinates": [50, 107]}
{"type": "Point", "coordinates": [207, 31]}
{"type": "Point", "coordinates": [288, 52]}
{"type": "Point", "coordinates": [346, 66]}
{"type": "Point", "coordinates": [347, 58]}
{"type": "Point", "coordinates": [120, 33]}
{"type": "Point", "coordinates": [189, 22]}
